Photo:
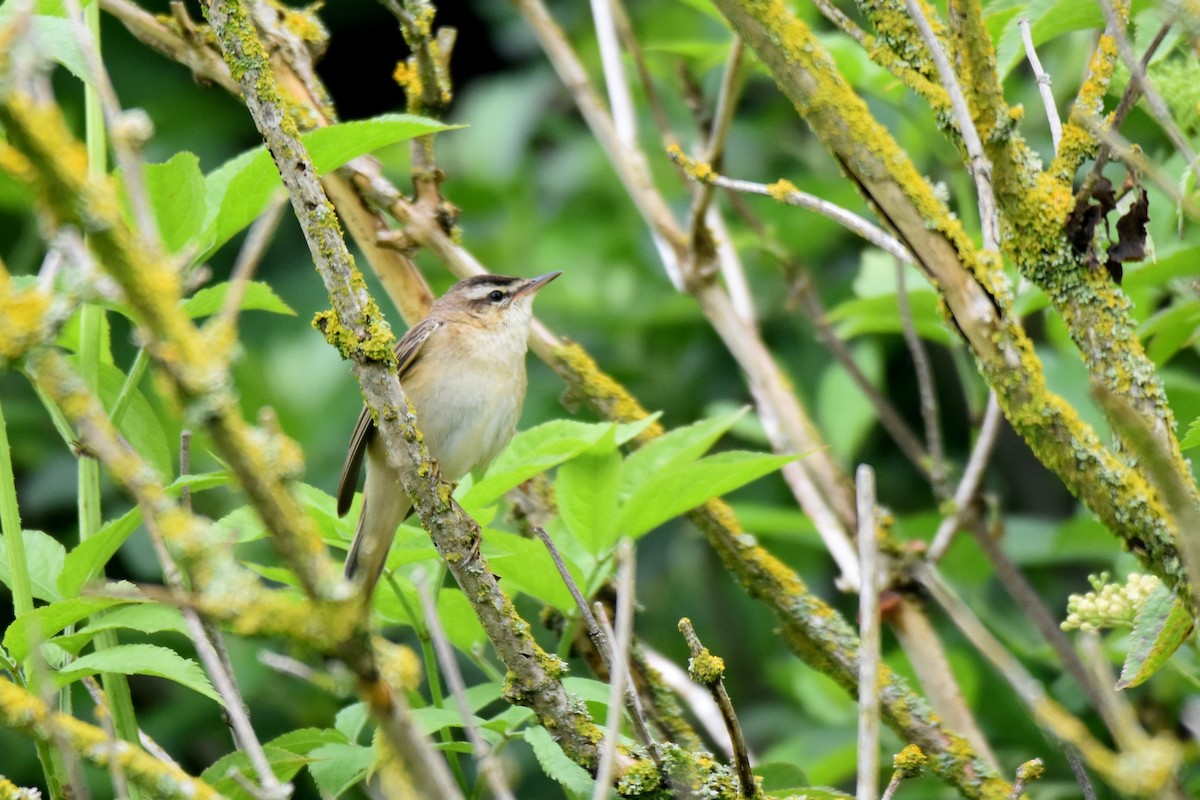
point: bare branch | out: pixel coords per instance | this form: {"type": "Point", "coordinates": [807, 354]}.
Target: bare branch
{"type": "Point", "coordinates": [1043, 83]}
{"type": "Point", "coordinates": [480, 749]}
{"type": "Point", "coordinates": [925, 387]}
{"type": "Point", "coordinates": [868, 634]}
{"type": "Point", "coordinates": [968, 486]}
{"type": "Point", "coordinates": [618, 675]}
{"type": "Point", "coordinates": [981, 165]}
{"type": "Point", "coordinates": [708, 670]}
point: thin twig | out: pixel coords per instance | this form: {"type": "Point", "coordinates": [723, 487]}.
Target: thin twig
{"type": "Point", "coordinates": [1080, 773]}
{"type": "Point", "coordinates": [869, 636]}
{"type": "Point", "coordinates": [620, 101]}
{"type": "Point", "coordinates": [628, 161]}
{"type": "Point", "coordinates": [714, 148]}
{"type": "Point", "coordinates": [889, 417]}
{"type": "Point", "coordinates": [104, 716]}
{"type": "Point", "coordinates": [1028, 772]}
{"type": "Point", "coordinates": [1128, 98]}
{"type": "Point", "coordinates": [185, 492]}
{"type": "Point", "coordinates": [1034, 609]}
{"type": "Point", "coordinates": [981, 166]}
{"type": "Point", "coordinates": [634, 48]}
{"type": "Point", "coordinates": [127, 130]}
{"type": "Point", "coordinates": [788, 194]}
{"type": "Point", "coordinates": [968, 486]}
{"type": "Point", "coordinates": [1043, 83]}
{"type": "Point", "coordinates": [708, 670]}
{"type": "Point", "coordinates": [925, 387]}
{"type": "Point", "coordinates": [601, 642]}
{"type": "Point", "coordinates": [1137, 74]}
{"type": "Point", "coordinates": [698, 700]}
{"type": "Point", "coordinates": [621, 637]}
{"type": "Point", "coordinates": [1120, 148]}
{"type": "Point", "coordinates": [251, 253]}
{"type": "Point", "coordinates": [484, 756]}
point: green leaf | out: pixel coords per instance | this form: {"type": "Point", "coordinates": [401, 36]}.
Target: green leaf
{"type": "Point", "coordinates": [556, 764]}
{"type": "Point", "coordinates": [670, 493]}
{"type": "Point", "coordinates": [675, 447]}
{"type": "Point", "coordinates": [140, 424]}
{"type": "Point", "coordinates": [530, 453]}
{"type": "Point", "coordinates": [39, 625]}
{"type": "Point", "coordinates": [780, 776]}
{"type": "Point", "coordinates": [140, 659]}
{"type": "Point", "coordinates": [87, 559]}
{"type": "Point", "coordinates": [258, 297]}
{"type": "Point", "coordinates": [881, 315]}
{"type": "Point", "coordinates": [352, 720]}
{"type": "Point", "coordinates": [1169, 330]}
{"type": "Point", "coordinates": [143, 617]}
{"type": "Point", "coordinates": [527, 566]}
{"type": "Point", "coordinates": [1162, 624]}
{"type": "Point", "coordinates": [175, 190]}
{"type": "Point", "coordinates": [56, 41]}
{"type": "Point", "coordinates": [305, 740]}
{"type": "Point", "coordinates": [846, 415]}
{"type": "Point", "coordinates": [239, 190]}
{"type": "Point", "coordinates": [337, 767]}
{"type": "Point", "coordinates": [1193, 435]}
{"type": "Point", "coordinates": [44, 559]}
{"type": "Point", "coordinates": [222, 775]}
{"type": "Point", "coordinates": [587, 488]}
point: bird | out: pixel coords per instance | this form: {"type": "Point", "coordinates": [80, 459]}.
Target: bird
{"type": "Point", "coordinates": [463, 369]}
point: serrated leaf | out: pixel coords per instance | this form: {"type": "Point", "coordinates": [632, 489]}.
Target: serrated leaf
{"type": "Point", "coordinates": [140, 659]}
{"type": "Point", "coordinates": [1193, 435]}
{"type": "Point", "coordinates": [675, 447]}
{"type": "Point", "coordinates": [175, 190]}
{"type": "Point", "coordinates": [258, 297]}
{"type": "Point", "coordinates": [224, 772]}
{"type": "Point", "coordinates": [587, 488]}
{"type": "Point", "coordinates": [1162, 624]}
{"type": "Point", "coordinates": [143, 617]}
{"type": "Point", "coordinates": [351, 721]}
{"type": "Point", "coordinates": [527, 565]}
{"type": "Point", "coordinates": [337, 767]}
{"type": "Point", "coordinates": [87, 559]}
{"type": "Point", "coordinates": [140, 424]}
{"type": "Point", "coordinates": [555, 763]}
{"type": "Point", "coordinates": [42, 623]}
{"type": "Point", "coordinates": [44, 559]}
{"type": "Point", "coordinates": [671, 493]}
{"type": "Point", "coordinates": [530, 453]}
{"type": "Point", "coordinates": [239, 190]}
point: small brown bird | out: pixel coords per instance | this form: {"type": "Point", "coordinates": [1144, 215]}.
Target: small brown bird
{"type": "Point", "coordinates": [463, 368]}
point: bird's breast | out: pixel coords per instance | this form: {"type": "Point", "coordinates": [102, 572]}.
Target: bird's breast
{"type": "Point", "coordinates": [470, 412]}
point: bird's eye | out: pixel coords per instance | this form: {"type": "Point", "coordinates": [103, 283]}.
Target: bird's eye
{"type": "Point", "coordinates": [496, 296]}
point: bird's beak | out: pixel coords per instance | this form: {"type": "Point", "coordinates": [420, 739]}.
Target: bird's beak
{"type": "Point", "coordinates": [533, 284]}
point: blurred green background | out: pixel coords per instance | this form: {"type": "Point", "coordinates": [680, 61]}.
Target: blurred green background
{"type": "Point", "coordinates": [536, 194]}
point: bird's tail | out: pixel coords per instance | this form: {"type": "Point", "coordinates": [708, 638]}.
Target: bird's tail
{"type": "Point", "coordinates": [385, 506]}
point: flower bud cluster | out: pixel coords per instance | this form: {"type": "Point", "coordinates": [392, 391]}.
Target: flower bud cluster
{"type": "Point", "coordinates": [1109, 605]}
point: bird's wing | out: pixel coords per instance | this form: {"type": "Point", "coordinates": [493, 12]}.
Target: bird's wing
{"type": "Point", "coordinates": [408, 351]}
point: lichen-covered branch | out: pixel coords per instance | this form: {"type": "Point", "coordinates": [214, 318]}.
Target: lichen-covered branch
{"type": "Point", "coordinates": [22, 711]}
{"type": "Point", "coordinates": [355, 325]}
{"type": "Point", "coordinates": [970, 283]}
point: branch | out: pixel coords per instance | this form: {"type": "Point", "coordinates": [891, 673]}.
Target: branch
{"type": "Point", "coordinates": [869, 634]}
{"type": "Point", "coordinates": [24, 712]}
{"type": "Point", "coordinates": [355, 326]}
{"type": "Point", "coordinates": [1043, 83]}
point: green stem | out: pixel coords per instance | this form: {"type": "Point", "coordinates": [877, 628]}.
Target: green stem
{"type": "Point", "coordinates": [129, 387]}
{"type": "Point", "coordinates": [53, 766]}
{"type": "Point", "coordinates": [91, 338]}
